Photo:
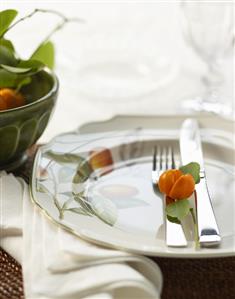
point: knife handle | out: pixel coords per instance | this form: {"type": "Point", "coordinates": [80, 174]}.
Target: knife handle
{"type": "Point", "coordinates": [207, 226]}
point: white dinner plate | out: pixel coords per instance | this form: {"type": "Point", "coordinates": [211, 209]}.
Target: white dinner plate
{"type": "Point", "coordinates": [98, 186]}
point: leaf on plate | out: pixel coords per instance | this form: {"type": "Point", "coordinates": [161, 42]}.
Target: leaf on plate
{"type": "Point", "coordinates": [84, 171]}
{"type": "Point", "coordinates": [66, 174]}
{"type": "Point", "coordinates": [192, 168]}
{"type": "Point", "coordinates": [81, 200]}
{"type": "Point", "coordinates": [6, 18]}
{"type": "Point", "coordinates": [104, 209]}
{"type": "Point", "coordinates": [126, 203]}
{"type": "Point", "coordinates": [80, 211]}
{"type": "Point", "coordinates": [178, 209]}
{"type": "Point", "coordinates": [45, 53]}
{"type": "Point", "coordinates": [64, 157]}
{"type": "Point", "coordinates": [66, 203]}
{"type": "Point", "coordinates": [173, 219]}
{"type": "Point", "coordinates": [42, 188]}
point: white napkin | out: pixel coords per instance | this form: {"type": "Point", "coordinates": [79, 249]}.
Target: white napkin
{"type": "Point", "coordinates": [11, 194]}
{"type": "Point", "coordinates": [57, 264]}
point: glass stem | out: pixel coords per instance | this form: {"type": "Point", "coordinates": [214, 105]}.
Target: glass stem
{"type": "Point", "coordinates": [213, 81]}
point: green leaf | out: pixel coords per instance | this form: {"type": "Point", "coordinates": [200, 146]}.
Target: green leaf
{"type": "Point", "coordinates": [7, 43]}
{"type": "Point", "coordinates": [80, 211]}
{"type": "Point", "coordinates": [65, 158]}
{"type": "Point", "coordinates": [178, 209]}
{"type": "Point", "coordinates": [84, 171]}
{"type": "Point", "coordinates": [31, 63]}
{"type": "Point", "coordinates": [104, 209]}
{"type": "Point", "coordinates": [6, 18]}
{"type": "Point", "coordinates": [7, 57]}
{"type": "Point", "coordinates": [45, 53]}
{"type": "Point", "coordinates": [173, 219]}
{"type": "Point", "coordinates": [42, 189]}
{"type": "Point", "coordinates": [14, 69]}
{"type": "Point", "coordinates": [192, 168]}
{"type": "Point", "coordinates": [22, 82]}
{"type": "Point", "coordinates": [24, 66]}
{"type": "Point", "coordinates": [83, 203]}
{"type": "Point", "coordinates": [7, 79]}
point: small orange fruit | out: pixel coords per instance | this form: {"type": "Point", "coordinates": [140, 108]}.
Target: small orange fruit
{"type": "Point", "coordinates": [12, 98]}
{"type": "Point", "coordinates": [176, 185]}
{"type": "Point", "coordinates": [3, 105]}
{"type": "Point", "coordinates": [168, 179]}
{"type": "Point", "coordinates": [183, 187]}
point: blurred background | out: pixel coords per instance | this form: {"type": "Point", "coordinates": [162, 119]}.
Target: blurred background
{"type": "Point", "coordinates": [134, 57]}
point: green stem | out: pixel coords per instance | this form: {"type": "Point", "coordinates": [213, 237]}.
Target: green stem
{"type": "Point", "coordinates": [195, 229]}
{"type": "Point", "coordinates": [60, 26]}
{"type": "Point", "coordinates": [51, 11]}
{"type": "Point", "coordinates": [20, 20]}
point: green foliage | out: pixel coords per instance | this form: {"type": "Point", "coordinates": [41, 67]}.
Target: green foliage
{"type": "Point", "coordinates": [178, 209]}
{"type": "Point", "coordinates": [7, 56]}
{"type": "Point", "coordinates": [173, 219]}
{"type": "Point", "coordinates": [7, 79]}
{"type": "Point", "coordinates": [14, 69]}
{"type": "Point", "coordinates": [7, 43]}
{"type": "Point", "coordinates": [67, 158]}
{"type": "Point", "coordinates": [6, 18]}
{"type": "Point", "coordinates": [15, 72]}
{"type": "Point", "coordinates": [192, 168]}
{"type": "Point", "coordinates": [46, 54]}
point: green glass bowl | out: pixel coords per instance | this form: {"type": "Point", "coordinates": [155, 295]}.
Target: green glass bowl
{"type": "Point", "coordinates": [21, 127]}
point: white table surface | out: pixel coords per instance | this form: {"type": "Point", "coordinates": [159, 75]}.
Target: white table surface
{"type": "Point", "coordinates": [156, 30]}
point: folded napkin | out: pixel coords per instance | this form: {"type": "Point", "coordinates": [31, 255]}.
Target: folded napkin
{"type": "Point", "coordinates": [57, 264]}
{"type": "Point", "coordinates": [11, 194]}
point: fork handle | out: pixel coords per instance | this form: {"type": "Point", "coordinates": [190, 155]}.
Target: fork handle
{"type": "Point", "coordinates": [175, 236]}
{"type": "Point", "coordinates": [174, 233]}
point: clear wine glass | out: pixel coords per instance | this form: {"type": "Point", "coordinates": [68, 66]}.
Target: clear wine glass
{"type": "Point", "coordinates": [208, 28]}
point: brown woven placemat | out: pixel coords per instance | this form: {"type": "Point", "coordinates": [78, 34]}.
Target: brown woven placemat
{"type": "Point", "coordinates": [212, 278]}
{"type": "Point", "coordinates": [11, 285]}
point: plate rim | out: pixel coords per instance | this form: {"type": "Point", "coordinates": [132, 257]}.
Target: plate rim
{"type": "Point", "coordinates": [166, 253]}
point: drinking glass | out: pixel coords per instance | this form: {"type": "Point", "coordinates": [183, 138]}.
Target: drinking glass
{"type": "Point", "coordinates": [208, 29]}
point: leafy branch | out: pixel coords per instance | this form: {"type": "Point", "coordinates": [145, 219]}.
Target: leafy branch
{"type": "Point", "coordinates": [51, 11]}
{"type": "Point", "coordinates": [15, 72]}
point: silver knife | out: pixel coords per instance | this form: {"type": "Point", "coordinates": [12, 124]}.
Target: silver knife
{"type": "Point", "coordinates": [191, 151]}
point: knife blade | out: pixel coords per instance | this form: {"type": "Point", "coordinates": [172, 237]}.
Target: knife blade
{"type": "Point", "coordinates": [191, 151]}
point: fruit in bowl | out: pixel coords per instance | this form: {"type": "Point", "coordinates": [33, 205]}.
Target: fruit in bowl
{"type": "Point", "coordinates": [28, 90]}
{"type": "Point", "coordinates": [20, 127]}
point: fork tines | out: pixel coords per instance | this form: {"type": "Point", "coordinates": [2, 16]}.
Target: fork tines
{"type": "Point", "coordinates": [163, 158]}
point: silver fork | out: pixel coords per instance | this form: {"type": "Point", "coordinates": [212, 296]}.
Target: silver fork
{"type": "Point", "coordinates": [163, 159]}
